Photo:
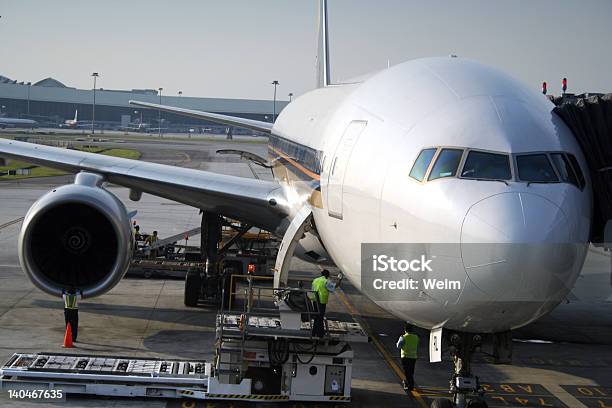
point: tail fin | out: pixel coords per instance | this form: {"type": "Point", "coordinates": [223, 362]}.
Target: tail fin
{"type": "Point", "coordinates": [323, 72]}
{"type": "Point", "coordinates": [76, 112]}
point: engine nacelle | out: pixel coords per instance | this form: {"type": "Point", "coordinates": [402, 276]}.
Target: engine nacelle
{"type": "Point", "coordinates": [76, 236]}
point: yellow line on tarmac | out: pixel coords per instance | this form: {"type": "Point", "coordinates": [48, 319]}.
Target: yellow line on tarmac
{"type": "Point", "coordinates": [379, 346]}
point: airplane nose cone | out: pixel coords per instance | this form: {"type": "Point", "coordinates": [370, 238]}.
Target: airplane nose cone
{"type": "Point", "coordinates": [516, 247]}
{"type": "Point", "coordinates": [515, 218]}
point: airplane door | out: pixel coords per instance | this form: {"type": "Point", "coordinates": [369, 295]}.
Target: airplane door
{"type": "Point", "coordinates": [339, 163]}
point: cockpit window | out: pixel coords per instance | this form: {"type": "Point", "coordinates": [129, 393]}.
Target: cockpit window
{"type": "Point", "coordinates": [421, 164]}
{"type": "Point", "coordinates": [541, 167]}
{"type": "Point", "coordinates": [577, 170]}
{"type": "Point", "coordinates": [446, 164]}
{"type": "Point", "coordinates": [487, 166]}
{"type": "Point", "coordinates": [564, 169]}
{"type": "Point", "coordinates": [535, 168]}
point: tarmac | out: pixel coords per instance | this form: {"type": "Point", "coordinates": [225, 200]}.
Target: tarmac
{"type": "Point", "coordinates": [562, 360]}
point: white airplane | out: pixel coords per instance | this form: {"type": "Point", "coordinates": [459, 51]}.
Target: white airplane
{"type": "Point", "coordinates": [430, 151]}
{"type": "Point", "coordinates": [137, 127]}
{"type": "Point", "coordinates": [16, 122]}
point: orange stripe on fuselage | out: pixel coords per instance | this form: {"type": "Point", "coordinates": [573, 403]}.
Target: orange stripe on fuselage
{"type": "Point", "coordinates": [296, 164]}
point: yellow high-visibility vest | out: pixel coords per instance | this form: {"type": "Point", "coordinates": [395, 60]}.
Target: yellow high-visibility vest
{"type": "Point", "coordinates": [319, 286]}
{"type": "Point", "coordinates": [70, 301]}
{"type": "Point", "coordinates": [409, 348]}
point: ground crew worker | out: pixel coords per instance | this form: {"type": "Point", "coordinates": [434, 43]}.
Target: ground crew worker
{"type": "Point", "coordinates": [71, 310]}
{"type": "Point", "coordinates": [408, 344]}
{"type": "Point", "coordinates": [321, 287]}
{"type": "Point", "coordinates": [151, 239]}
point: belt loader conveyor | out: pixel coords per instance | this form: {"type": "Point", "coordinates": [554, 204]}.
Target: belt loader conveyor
{"type": "Point", "coordinates": [103, 375]}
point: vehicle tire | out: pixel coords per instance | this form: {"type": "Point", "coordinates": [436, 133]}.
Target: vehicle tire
{"type": "Point", "coordinates": [442, 403]}
{"type": "Point", "coordinates": [193, 284]}
{"type": "Point", "coordinates": [477, 403]}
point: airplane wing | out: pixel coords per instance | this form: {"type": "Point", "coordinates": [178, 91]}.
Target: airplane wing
{"type": "Point", "coordinates": [257, 125]}
{"type": "Point", "coordinates": [257, 202]}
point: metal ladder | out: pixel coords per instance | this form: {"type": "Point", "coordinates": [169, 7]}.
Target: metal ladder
{"type": "Point", "coordinates": [245, 316]}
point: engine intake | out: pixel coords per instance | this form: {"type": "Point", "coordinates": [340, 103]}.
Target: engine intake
{"type": "Point", "coordinates": [76, 236]}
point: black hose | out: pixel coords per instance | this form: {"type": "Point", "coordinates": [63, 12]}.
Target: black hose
{"type": "Point", "coordinates": [314, 353]}
{"type": "Point", "coordinates": [278, 351]}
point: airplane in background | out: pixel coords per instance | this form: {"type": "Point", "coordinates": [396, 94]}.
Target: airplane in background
{"type": "Point", "coordinates": [73, 123]}
{"type": "Point", "coordinates": [17, 123]}
{"type": "Point", "coordinates": [138, 127]}
{"type": "Point", "coordinates": [430, 151]}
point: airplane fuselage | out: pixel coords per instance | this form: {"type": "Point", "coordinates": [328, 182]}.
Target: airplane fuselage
{"type": "Point", "coordinates": [15, 122]}
{"type": "Point", "coordinates": [349, 150]}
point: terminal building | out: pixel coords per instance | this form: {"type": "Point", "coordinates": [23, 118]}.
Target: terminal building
{"type": "Point", "coordinates": [50, 103]}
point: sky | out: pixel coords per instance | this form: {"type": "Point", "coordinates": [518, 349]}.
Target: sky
{"type": "Point", "coordinates": [236, 48]}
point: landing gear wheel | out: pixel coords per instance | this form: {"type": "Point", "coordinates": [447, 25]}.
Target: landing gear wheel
{"type": "Point", "coordinates": [193, 284]}
{"type": "Point", "coordinates": [464, 385]}
{"type": "Point", "coordinates": [442, 403]}
{"type": "Point", "coordinates": [477, 403]}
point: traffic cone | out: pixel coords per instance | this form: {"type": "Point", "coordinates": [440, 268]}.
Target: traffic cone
{"type": "Point", "coordinates": [68, 337]}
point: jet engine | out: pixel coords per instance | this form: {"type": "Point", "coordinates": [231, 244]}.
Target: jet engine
{"type": "Point", "coordinates": [76, 236]}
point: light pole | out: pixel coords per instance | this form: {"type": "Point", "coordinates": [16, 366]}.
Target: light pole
{"type": "Point", "coordinates": [136, 113]}
{"type": "Point", "coordinates": [159, 112]}
{"type": "Point", "coordinates": [290, 96]}
{"type": "Point", "coordinates": [28, 108]}
{"type": "Point", "coordinates": [275, 83]}
{"type": "Point", "coordinates": [95, 76]}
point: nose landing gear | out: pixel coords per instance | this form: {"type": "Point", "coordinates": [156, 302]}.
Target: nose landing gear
{"type": "Point", "coordinates": [464, 386]}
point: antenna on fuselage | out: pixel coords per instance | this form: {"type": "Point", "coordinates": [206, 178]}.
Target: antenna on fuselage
{"type": "Point", "coordinates": [323, 71]}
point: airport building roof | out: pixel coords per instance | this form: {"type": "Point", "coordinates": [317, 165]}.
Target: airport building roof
{"type": "Point", "coordinates": [50, 82]}
{"type": "Point", "coordinates": [52, 90]}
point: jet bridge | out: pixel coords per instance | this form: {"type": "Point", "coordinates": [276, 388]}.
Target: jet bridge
{"type": "Point", "coordinates": [590, 120]}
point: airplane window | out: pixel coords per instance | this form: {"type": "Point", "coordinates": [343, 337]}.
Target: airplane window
{"type": "Point", "coordinates": [488, 166]}
{"type": "Point", "coordinates": [446, 164]}
{"type": "Point", "coordinates": [577, 169]}
{"type": "Point", "coordinates": [421, 164]}
{"type": "Point", "coordinates": [535, 168]}
{"type": "Point", "coordinates": [564, 168]}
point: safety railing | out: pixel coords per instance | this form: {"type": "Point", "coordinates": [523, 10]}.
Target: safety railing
{"type": "Point", "coordinates": [262, 301]}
